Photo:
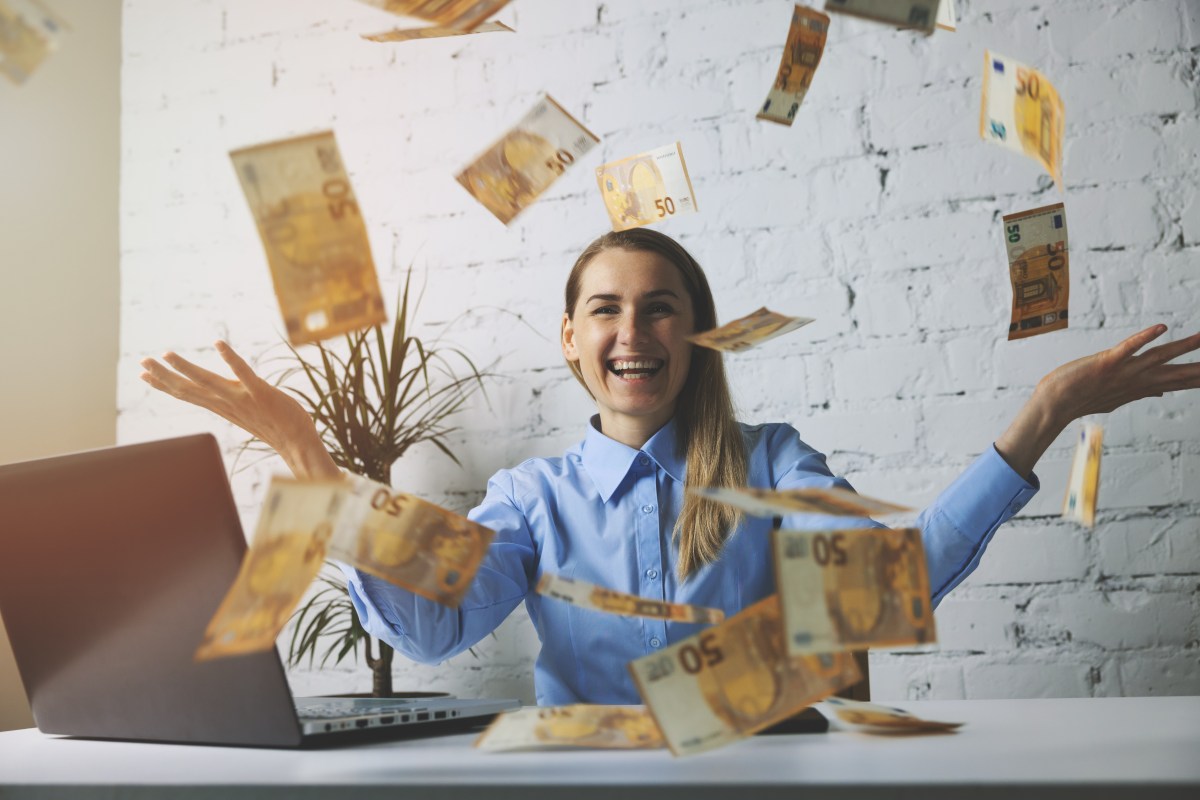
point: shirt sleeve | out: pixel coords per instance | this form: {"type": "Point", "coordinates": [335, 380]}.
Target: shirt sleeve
{"type": "Point", "coordinates": [956, 528]}
{"type": "Point", "coordinates": [429, 632]}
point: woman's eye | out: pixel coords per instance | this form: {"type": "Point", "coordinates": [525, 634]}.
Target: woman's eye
{"type": "Point", "coordinates": [660, 308]}
{"type": "Point", "coordinates": [604, 310]}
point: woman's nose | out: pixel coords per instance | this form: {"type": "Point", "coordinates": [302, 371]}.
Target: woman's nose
{"type": "Point", "coordinates": [632, 329]}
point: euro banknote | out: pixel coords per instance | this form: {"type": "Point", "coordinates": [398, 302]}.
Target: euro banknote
{"type": "Point", "coordinates": [852, 589]}
{"type": "Point", "coordinates": [866, 717]}
{"type": "Point", "coordinates": [832, 501]}
{"type": "Point", "coordinates": [1083, 486]}
{"type": "Point", "coordinates": [286, 552]}
{"type": "Point", "coordinates": [1039, 270]}
{"type": "Point", "coordinates": [511, 174]}
{"type": "Point", "coordinates": [464, 15]}
{"type": "Point", "coordinates": [587, 595]}
{"type": "Point", "coordinates": [29, 32]}
{"type": "Point", "coordinates": [433, 32]}
{"type": "Point", "coordinates": [1022, 111]}
{"type": "Point", "coordinates": [801, 56]}
{"type": "Point", "coordinates": [919, 14]}
{"type": "Point", "coordinates": [748, 331]}
{"type": "Point", "coordinates": [727, 682]}
{"type": "Point", "coordinates": [947, 16]}
{"type": "Point", "coordinates": [572, 727]}
{"type": "Point", "coordinates": [407, 541]}
{"type": "Point", "coordinates": [314, 235]}
{"type": "Point", "coordinates": [647, 188]}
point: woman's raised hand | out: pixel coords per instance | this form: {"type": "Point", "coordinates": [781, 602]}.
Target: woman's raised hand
{"type": "Point", "coordinates": [1111, 378]}
{"type": "Point", "coordinates": [1097, 384]}
{"type": "Point", "coordinates": [255, 406]}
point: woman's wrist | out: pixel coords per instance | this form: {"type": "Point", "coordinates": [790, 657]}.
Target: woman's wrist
{"type": "Point", "coordinates": [309, 459]}
{"type": "Point", "coordinates": [1036, 426]}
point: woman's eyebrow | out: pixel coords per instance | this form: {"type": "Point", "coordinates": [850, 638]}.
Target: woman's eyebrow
{"type": "Point", "coordinates": [648, 295]}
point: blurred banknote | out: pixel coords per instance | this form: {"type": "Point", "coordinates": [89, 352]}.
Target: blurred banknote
{"type": "Point", "coordinates": [852, 589]}
{"type": "Point", "coordinates": [514, 171]}
{"type": "Point", "coordinates": [404, 540]}
{"type": "Point", "coordinates": [874, 718]}
{"type": "Point", "coordinates": [1023, 112]}
{"type": "Point", "coordinates": [29, 32]}
{"type": "Point", "coordinates": [287, 552]}
{"type": "Point", "coordinates": [728, 682]}
{"type": "Point", "coordinates": [646, 188]}
{"type": "Point", "coordinates": [587, 595]}
{"type": "Point", "coordinates": [463, 15]}
{"type": "Point", "coordinates": [314, 235]}
{"type": "Point", "coordinates": [947, 16]}
{"type": "Point", "coordinates": [919, 14]}
{"type": "Point", "coordinates": [432, 32]}
{"type": "Point", "coordinates": [1084, 484]}
{"type": "Point", "coordinates": [801, 55]}
{"type": "Point", "coordinates": [832, 501]}
{"type": "Point", "coordinates": [752, 329]}
{"type": "Point", "coordinates": [574, 726]}
{"type": "Point", "coordinates": [1039, 270]}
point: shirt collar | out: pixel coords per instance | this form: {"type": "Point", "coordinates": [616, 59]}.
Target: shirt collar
{"type": "Point", "coordinates": [608, 461]}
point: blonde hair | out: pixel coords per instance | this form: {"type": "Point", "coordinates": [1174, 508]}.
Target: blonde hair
{"type": "Point", "coordinates": [704, 418]}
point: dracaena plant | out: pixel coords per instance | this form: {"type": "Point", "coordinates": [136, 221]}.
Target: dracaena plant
{"type": "Point", "coordinates": [372, 398]}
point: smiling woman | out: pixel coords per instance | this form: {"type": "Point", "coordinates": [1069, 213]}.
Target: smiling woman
{"type": "Point", "coordinates": [614, 511]}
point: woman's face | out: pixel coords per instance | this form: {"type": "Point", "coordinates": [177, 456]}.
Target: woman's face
{"type": "Point", "coordinates": [627, 336]}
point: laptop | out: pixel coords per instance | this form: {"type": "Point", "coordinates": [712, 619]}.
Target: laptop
{"type": "Point", "coordinates": [112, 562]}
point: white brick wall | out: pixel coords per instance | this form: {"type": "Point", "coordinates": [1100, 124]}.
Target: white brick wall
{"type": "Point", "coordinates": [877, 212]}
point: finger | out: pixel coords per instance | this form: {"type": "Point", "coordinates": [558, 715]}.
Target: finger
{"type": "Point", "coordinates": [1172, 350]}
{"type": "Point", "coordinates": [196, 372]}
{"type": "Point", "coordinates": [1139, 340]}
{"type": "Point", "coordinates": [1177, 377]}
{"type": "Point", "coordinates": [240, 368]}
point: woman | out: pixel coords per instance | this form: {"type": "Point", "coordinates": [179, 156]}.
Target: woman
{"type": "Point", "coordinates": [613, 510]}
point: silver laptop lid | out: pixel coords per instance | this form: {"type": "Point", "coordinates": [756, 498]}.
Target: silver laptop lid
{"type": "Point", "coordinates": [112, 562]}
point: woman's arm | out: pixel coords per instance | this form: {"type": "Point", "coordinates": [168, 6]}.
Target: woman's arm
{"type": "Point", "coordinates": [1096, 384]}
{"type": "Point", "coordinates": [255, 406]}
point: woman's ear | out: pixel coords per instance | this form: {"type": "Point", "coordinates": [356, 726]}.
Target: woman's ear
{"type": "Point", "coordinates": [569, 351]}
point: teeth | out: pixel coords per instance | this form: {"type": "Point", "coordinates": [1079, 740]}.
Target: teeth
{"type": "Point", "coordinates": [622, 366]}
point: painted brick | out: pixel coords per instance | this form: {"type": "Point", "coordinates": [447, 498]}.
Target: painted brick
{"type": "Point", "coordinates": [877, 212]}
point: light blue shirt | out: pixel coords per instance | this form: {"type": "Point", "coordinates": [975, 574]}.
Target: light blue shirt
{"type": "Point", "coordinates": [604, 513]}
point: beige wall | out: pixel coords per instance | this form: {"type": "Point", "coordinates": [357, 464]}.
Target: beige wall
{"type": "Point", "coordinates": [59, 156]}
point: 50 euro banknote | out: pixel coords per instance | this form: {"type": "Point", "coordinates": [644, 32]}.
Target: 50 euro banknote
{"type": "Point", "coordinates": [1083, 485]}
{"type": "Point", "coordinates": [433, 32]}
{"type": "Point", "coordinates": [830, 501]}
{"type": "Point", "coordinates": [572, 727]}
{"type": "Point", "coordinates": [748, 331]}
{"type": "Point", "coordinates": [728, 682]}
{"type": "Point", "coordinates": [646, 188]}
{"type": "Point", "coordinates": [397, 537]}
{"type": "Point", "coordinates": [919, 14]}
{"type": "Point", "coordinates": [1038, 269]}
{"type": "Point", "coordinates": [314, 236]}
{"type": "Point", "coordinates": [511, 174]}
{"type": "Point", "coordinates": [852, 589]}
{"type": "Point", "coordinates": [586, 595]}
{"type": "Point", "coordinates": [874, 718]}
{"type": "Point", "coordinates": [801, 56]}
{"type": "Point", "coordinates": [1023, 112]}
{"type": "Point", "coordinates": [463, 15]}
{"type": "Point", "coordinates": [29, 32]}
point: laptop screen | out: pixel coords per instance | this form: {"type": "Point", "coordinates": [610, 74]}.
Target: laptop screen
{"type": "Point", "coordinates": [112, 562]}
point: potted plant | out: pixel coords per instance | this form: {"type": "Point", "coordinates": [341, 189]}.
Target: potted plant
{"type": "Point", "coordinates": [371, 400]}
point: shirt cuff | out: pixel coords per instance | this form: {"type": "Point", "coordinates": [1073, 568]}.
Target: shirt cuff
{"type": "Point", "coordinates": [367, 606]}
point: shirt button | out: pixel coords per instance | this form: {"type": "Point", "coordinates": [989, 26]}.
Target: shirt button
{"type": "Point", "coordinates": [651, 574]}
{"type": "Point", "coordinates": [647, 509]}
{"type": "Point", "coordinates": [655, 642]}
{"type": "Point", "coordinates": [643, 461]}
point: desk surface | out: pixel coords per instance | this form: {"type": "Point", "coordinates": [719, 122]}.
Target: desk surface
{"type": "Point", "coordinates": [1080, 748]}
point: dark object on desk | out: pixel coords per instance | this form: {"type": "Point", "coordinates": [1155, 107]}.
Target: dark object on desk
{"type": "Point", "coordinates": [807, 721]}
{"type": "Point", "coordinates": [112, 563]}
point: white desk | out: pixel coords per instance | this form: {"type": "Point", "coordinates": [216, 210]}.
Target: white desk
{"type": "Point", "coordinates": [1093, 749]}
